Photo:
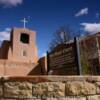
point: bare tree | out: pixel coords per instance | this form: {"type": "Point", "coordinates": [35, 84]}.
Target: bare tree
{"type": "Point", "coordinates": [61, 36]}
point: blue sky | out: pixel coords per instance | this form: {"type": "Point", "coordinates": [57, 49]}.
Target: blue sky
{"type": "Point", "coordinates": [46, 16]}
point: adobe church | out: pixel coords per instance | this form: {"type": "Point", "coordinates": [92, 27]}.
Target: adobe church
{"type": "Point", "coordinates": [19, 55]}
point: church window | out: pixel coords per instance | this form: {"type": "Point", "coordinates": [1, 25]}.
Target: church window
{"type": "Point", "coordinates": [24, 38]}
{"type": "Point", "coordinates": [24, 53]}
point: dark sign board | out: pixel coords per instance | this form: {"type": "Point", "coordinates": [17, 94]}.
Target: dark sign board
{"type": "Point", "coordinates": [62, 60]}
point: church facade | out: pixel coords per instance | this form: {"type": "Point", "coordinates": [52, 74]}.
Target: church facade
{"type": "Point", "coordinates": [20, 53]}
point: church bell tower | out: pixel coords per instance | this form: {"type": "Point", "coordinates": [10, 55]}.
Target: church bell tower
{"type": "Point", "coordinates": [23, 46]}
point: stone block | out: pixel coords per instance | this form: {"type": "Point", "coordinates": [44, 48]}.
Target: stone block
{"type": "Point", "coordinates": [49, 89]}
{"type": "Point", "coordinates": [98, 87]}
{"type": "Point", "coordinates": [18, 89]}
{"type": "Point", "coordinates": [80, 88]}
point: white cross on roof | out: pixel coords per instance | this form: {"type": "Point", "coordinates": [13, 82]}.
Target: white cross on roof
{"type": "Point", "coordinates": [24, 22]}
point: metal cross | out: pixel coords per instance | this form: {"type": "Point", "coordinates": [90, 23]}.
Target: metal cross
{"type": "Point", "coordinates": [24, 21]}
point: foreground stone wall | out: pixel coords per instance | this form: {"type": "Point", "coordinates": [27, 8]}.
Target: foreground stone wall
{"type": "Point", "coordinates": [50, 88]}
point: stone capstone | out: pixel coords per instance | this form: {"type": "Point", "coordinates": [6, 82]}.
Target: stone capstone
{"type": "Point", "coordinates": [94, 97]}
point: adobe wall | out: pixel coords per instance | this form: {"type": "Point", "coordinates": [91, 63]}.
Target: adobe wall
{"type": "Point", "coordinates": [41, 68]}
{"type": "Point", "coordinates": [19, 47]}
{"type": "Point", "coordinates": [4, 49]}
{"type": "Point", "coordinates": [50, 88]}
{"type": "Point", "coordinates": [9, 68]}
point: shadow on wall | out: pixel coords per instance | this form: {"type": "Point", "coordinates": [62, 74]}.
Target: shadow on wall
{"type": "Point", "coordinates": [40, 69]}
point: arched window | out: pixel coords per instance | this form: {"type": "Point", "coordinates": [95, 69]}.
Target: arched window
{"type": "Point", "coordinates": [24, 38]}
{"type": "Point", "coordinates": [24, 53]}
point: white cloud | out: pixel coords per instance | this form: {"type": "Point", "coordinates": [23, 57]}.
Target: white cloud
{"type": "Point", "coordinates": [82, 12]}
{"type": "Point", "coordinates": [91, 27]}
{"type": "Point", "coordinates": [5, 35]}
{"type": "Point", "coordinates": [10, 3]}
{"type": "Point", "coordinates": [44, 54]}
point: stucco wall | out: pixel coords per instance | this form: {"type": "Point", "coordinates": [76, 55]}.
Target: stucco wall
{"type": "Point", "coordinates": [18, 47]}
{"type": "Point", "coordinates": [16, 50]}
{"type": "Point", "coordinates": [9, 68]}
{"type": "Point", "coordinates": [50, 88]}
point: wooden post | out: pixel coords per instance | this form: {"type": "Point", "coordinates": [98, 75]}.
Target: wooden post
{"type": "Point", "coordinates": [48, 66]}
{"type": "Point", "coordinates": [78, 58]}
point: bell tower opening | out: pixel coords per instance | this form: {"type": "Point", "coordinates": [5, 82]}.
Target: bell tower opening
{"type": "Point", "coordinates": [24, 38]}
